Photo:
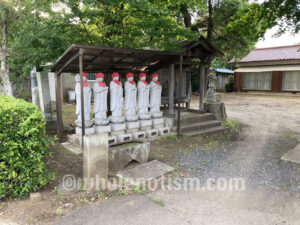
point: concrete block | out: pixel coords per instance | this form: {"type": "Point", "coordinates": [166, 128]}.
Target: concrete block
{"type": "Point", "coordinates": [102, 129]}
{"type": "Point", "coordinates": [112, 140]}
{"type": "Point", "coordinates": [145, 123]}
{"type": "Point", "coordinates": [124, 137]}
{"type": "Point", "coordinates": [163, 131]}
{"type": "Point", "coordinates": [95, 160]}
{"type": "Point", "coordinates": [152, 133]}
{"type": "Point", "coordinates": [88, 131]}
{"type": "Point", "coordinates": [118, 127]}
{"type": "Point", "coordinates": [133, 125]}
{"type": "Point", "coordinates": [157, 122]}
{"type": "Point", "coordinates": [170, 122]}
{"type": "Point", "coordinates": [35, 197]}
{"type": "Point", "coordinates": [138, 135]}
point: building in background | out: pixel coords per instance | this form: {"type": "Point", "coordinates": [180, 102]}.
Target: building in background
{"type": "Point", "coordinates": [275, 69]}
{"type": "Point", "coordinates": [222, 75]}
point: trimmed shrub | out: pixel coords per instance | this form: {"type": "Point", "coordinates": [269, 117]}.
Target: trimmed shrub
{"type": "Point", "coordinates": [23, 148]}
{"type": "Point", "coordinates": [229, 84]}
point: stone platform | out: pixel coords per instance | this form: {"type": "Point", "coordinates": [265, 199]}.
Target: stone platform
{"type": "Point", "coordinates": [148, 172]}
{"type": "Point", "coordinates": [292, 155]}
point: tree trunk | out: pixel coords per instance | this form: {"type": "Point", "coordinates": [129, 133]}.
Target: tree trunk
{"type": "Point", "coordinates": [4, 72]}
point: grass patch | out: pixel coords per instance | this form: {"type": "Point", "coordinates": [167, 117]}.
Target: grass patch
{"type": "Point", "coordinates": [156, 201]}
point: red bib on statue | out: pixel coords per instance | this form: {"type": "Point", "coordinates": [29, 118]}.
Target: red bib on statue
{"type": "Point", "coordinates": [101, 84]}
{"type": "Point", "coordinates": [132, 82]}
{"type": "Point", "coordinates": [117, 82]}
{"type": "Point", "coordinates": [145, 82]}
{"type": "Point", "coordinates": [156, 82]}
{"type": "Point", "coordinates": [85, 84]}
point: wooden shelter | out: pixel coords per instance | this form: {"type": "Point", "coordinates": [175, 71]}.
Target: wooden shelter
{"type": "Point", "coordinates": [92, 59]}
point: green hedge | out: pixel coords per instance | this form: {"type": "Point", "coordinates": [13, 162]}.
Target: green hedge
{"type": "Point", "coordinates": [23, 148]}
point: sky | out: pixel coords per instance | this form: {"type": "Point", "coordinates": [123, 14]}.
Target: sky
{"type": "Point", "coordinates": [283, 40]}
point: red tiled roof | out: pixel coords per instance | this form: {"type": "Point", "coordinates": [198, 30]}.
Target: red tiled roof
{"type": "Point", "coordinates": [273, 54]}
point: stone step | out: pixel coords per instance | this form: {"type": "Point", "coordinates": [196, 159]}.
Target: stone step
{"type": "Point", "coordinates": [200, 125]}
{"type": "Point", "coordinates": [211, 130]}
{"type": "Point", "coordinates": [194, 118]}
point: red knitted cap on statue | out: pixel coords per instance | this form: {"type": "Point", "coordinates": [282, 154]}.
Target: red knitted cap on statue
{"type": "Point", "coordinates": [115, 74]}
{"type": "Point", "coordinates": [129, 75]}
{"type": "Point", "coordinates": [84, 75]}
{"type": "Point", "coordinates": [154, 75]}
{"type": "Point", "coordinates": [100, 75]}
{"type": "Point", "coordinates": [142, 75]}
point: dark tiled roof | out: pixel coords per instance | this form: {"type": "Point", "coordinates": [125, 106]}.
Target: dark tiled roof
{"type": "Point", "coordinates": [273, 54]}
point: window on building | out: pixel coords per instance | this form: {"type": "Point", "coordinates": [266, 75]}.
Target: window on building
{"type": "Point", "coordinates": [291, 81]}
{"type": "Point", "coordinates": [257, 81]}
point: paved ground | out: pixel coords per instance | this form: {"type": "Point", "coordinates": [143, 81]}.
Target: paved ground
{"type": "Point", "coordinates": [272, 186]}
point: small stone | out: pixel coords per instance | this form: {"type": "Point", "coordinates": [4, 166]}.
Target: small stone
{"type": "Point", "coordinates": [35, 197]}
{"type": "Point", "coordinates": [68, 205]}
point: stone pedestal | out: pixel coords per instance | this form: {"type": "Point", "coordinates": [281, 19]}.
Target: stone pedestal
{"type": "Point", "coordinates": [217, 108]}
{"type": "Point", "coordinates": [146, 125]}
{"type": "Point", "coordinates": [156, 114]}
{"type": "Point", "coordinates": [152, 133]}
{"type": "Point", "coordinates": [133, 129]}
{"type": "Point", "coordinates": [95, 161]}
{"type": "Point", "coordinates": [163, 131]}
{"type": "Point", "coordinates": [101, 121]}
{"type": "Point", "coordinates": [102, 129]}
{"type": "Point", "coordinates": [89, 130]}
{"type": "Point", "coordinates": [117, 119]}
{"type": "Point", "coordinates": [158, 122]}
{"type": "Point", "coordinates": [144, 116]}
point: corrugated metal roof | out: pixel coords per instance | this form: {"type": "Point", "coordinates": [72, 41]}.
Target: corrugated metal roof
{"type": "Point", "coordinates": [268, 68]}
{"type": "Point", "coordinates": [273, 54]}
{"type": "Point", "coordinates": [221, 70]}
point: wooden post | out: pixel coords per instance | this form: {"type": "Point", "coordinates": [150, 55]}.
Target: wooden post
{"type": "Point", "coordinates": [179, 96]}
{"type": "Point", "coordinates": [58, 108]}
{"type": "Point", "coordinates": [202, 84]}
{"type": "Point", "coordinates": [82, 97]}
{"type": "Point", "coordinates": [171, 89]}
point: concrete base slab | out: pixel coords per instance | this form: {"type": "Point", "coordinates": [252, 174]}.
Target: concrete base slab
{"type": "Point", "coordinates": [88, 131]}
{"type": "Point", "coordinates": [292, 155]}
{"type": "Point", "coordinates": [102, 129]}
{"type": "Point", "coordinates": [158, 122]}
{"type": "Point", "coordinates": [133, 125]}
{"type": "Point", "coordinates": [72, 148]}
{"type": "Point", "coordinates": [146, 172]}
{"type": "Point", "coordinates": [152, 133]}
{"type": "Point", "coordinates": [163, 131]}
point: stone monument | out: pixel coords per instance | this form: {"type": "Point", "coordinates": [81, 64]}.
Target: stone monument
{"type": "Point", "coordinates": [143, 106]}
{"type": "Point", "coordinates": [132, 123]}
{"type": "Point", "coordinates": [155, 97]}
{"type": "Point", "coordinates": [87, 94]}
{"type": "Point", "coordinates": [155, 102]}
{"type": "Point", "coordinates": [213, 103]}
{"type": "Point", "coordinates": [116, 106]}
{"type": "Point", "coordinates": [100, 105]}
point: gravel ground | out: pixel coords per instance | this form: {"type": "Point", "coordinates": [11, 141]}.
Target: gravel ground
{"type": "Point", "coordinates": [269, 129]}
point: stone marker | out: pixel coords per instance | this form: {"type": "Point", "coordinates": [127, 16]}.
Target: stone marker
{"type": "Point", "coordinates": [35, 197]}
{"type": "Point", "coordinates": [292, 155]}
{"type": "Point", "coordinates": [213, 103]}
{"type": "Point", "coordinates": [95, 160]}
{"type": "Point", "coordinates": [148, 172]}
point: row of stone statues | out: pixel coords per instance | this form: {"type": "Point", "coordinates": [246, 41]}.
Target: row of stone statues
{"type": "Point", "coordinates": [100, 90]}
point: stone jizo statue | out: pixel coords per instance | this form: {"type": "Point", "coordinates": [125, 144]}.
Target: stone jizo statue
{"type": "Point", "coordinates": [100, 100]}
{"type": "Point", "coordinates": [155, 96]}
{"type": "Point", "coordinates": [143, 97]}
{"type": "Point", "coordinates": [87, 94]}
{"type": "Point", "coordinates": [130, 98]}
{"type": "Point", "coordinates": [116, 98]}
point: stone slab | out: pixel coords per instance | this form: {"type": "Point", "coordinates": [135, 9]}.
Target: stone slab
{"type": "Point", "coordinates": [88, 131]}
{"type": "Point", "coordinates": [35, 197]}
{"type": "Point", "coordinates": [102, 129]}
{"type": "Point", "coordinates": [157, 121]}
{"type": "Point", "coordinates": [124, 137]}
{"type": "Point", "coordinates": [147, 171]}
{"type": "Point", "coordinates": [121, 155]}
{"type": "Point", "coordinates": [218, 109]}
{"type": "Point", "coordinates": [163, 131]}
{"type": "Point", "coordinates": [292, 155]}
{"type": "Point", "coordinates": [145, 123]}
